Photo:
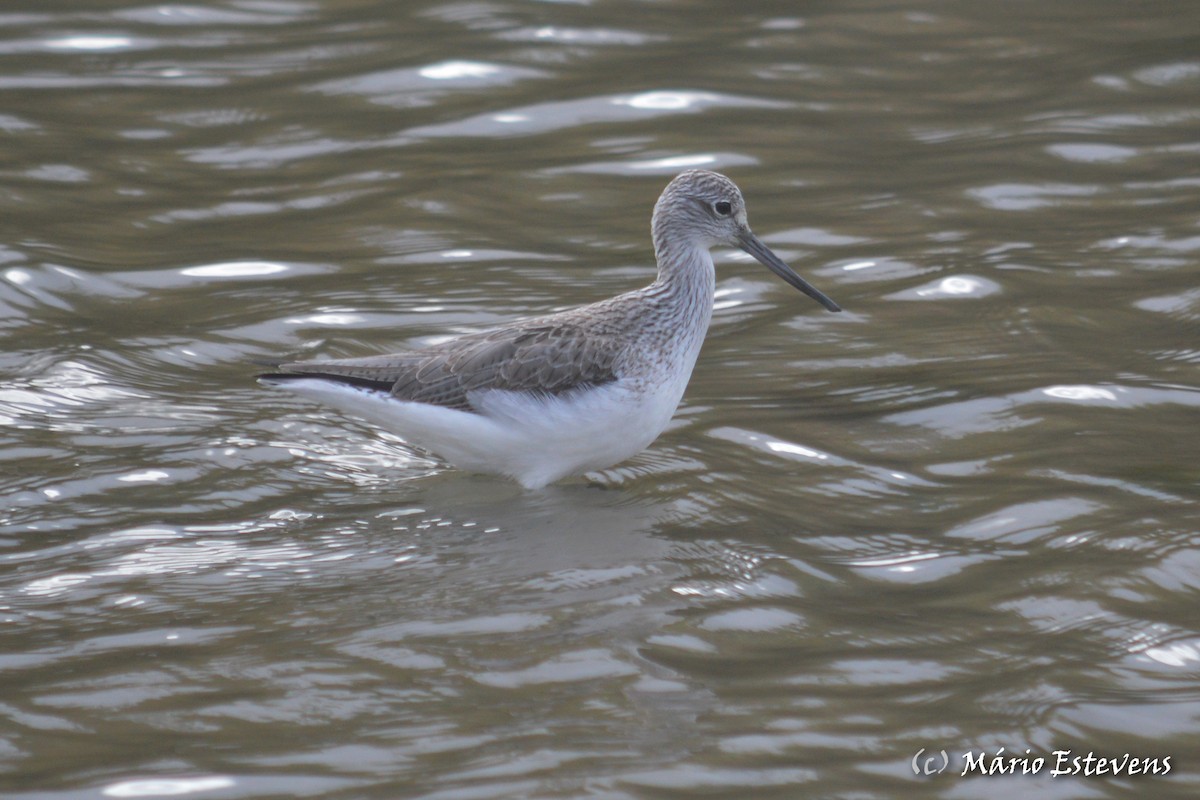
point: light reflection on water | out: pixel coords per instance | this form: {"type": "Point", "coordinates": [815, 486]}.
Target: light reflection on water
{"type": "Point", "coordinates": [961, 514]}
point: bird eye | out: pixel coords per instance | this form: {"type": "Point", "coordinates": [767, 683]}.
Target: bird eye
{"type": "Point", "coordinates": [722, 208]}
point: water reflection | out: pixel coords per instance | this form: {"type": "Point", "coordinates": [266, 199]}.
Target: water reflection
{"type": "Point", "coordinates": [167, 787]}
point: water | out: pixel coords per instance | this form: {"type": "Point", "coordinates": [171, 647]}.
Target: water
{"type": "Point", "coordinates": [960, 516]}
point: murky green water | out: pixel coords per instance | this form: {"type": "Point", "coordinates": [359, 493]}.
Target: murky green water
{"type": "Point", "coordinates": [960, 516]}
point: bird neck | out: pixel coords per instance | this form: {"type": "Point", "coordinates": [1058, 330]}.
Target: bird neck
{"type": "Point", "coordinates": [683, 293]}
{"type": "Point", "coordinates": [681, 302]}
{"type": "Point", "coordinates": [684, 267]}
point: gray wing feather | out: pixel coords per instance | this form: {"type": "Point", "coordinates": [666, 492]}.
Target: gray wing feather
{"type": "Point", "coordinates": [544, 358]}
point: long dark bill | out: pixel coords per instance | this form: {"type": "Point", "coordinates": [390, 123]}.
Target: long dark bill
{"type": "Point", "coordinates": [750, 243]}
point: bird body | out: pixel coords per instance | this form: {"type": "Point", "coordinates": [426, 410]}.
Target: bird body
{"type": "Point", "coordinates": [545, 398]}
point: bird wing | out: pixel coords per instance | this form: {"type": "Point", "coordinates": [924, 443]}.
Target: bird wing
{"type": "Point", "coordinates": [544, 358]}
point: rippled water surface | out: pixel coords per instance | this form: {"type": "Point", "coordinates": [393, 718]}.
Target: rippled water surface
{"type": "Point", "coordinates": [962, 515]}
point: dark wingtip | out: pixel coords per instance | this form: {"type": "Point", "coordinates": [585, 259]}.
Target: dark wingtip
{"type": "Point", "coordinates": [276, 378]}
{"type": "Point", "coordinates": [272, 363]}
{"type": "Point", "coordinates": [346, 380]}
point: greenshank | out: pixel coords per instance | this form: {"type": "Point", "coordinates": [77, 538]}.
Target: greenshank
{"type": "Point", "coordinates": [550, 397]}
